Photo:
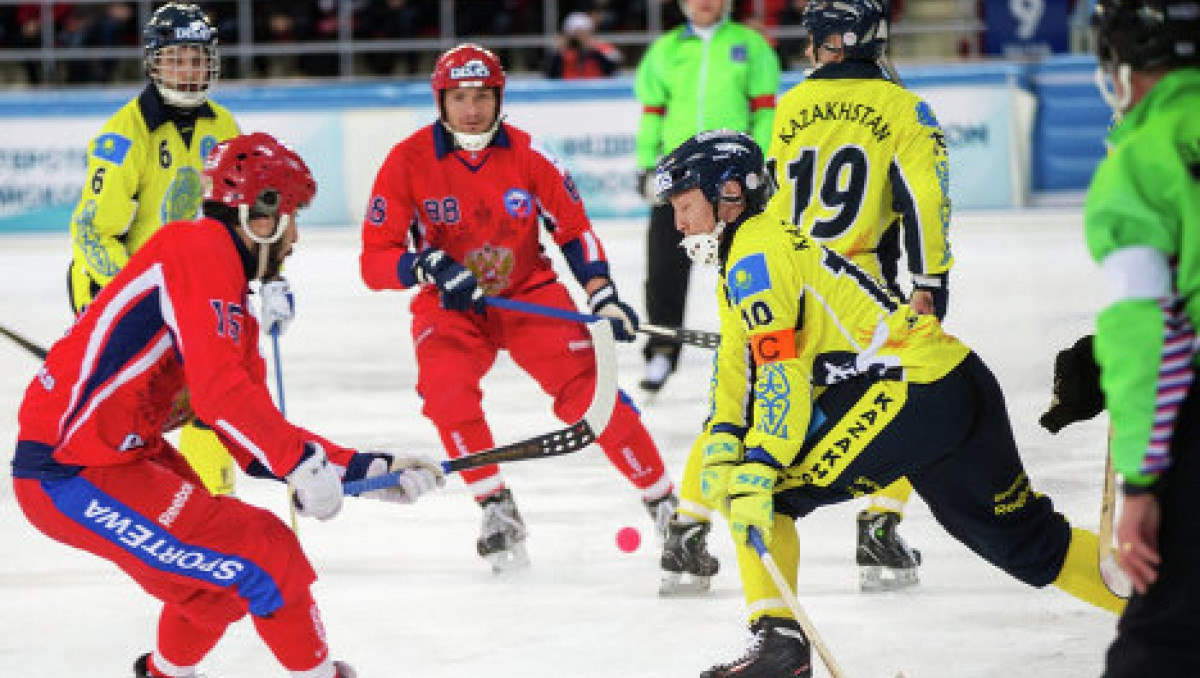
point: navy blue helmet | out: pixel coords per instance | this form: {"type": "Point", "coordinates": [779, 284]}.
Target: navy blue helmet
{"type": "Point", "coordinates": [1147, 34]}
{"type": "Point", "coordinates": [180, 53]}
{"type": "Point", "coordinates": [707, 161]}
{"type": "Point", "coordinates": [862, 24]}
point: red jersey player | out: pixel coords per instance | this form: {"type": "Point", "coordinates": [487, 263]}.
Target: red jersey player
{"type": "Point", "coordinates": [169, 337]}
{"type": "Point", "coordinates": [455, 210]}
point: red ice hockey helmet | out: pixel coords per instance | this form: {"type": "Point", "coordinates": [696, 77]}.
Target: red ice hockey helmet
{"type": "Point", "coordinates": [258, 171]}
{"type": "Point", "coordinates": [467, 65]}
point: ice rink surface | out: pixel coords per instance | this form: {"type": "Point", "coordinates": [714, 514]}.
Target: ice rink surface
{"type": "Point", "coordinates": [403, 593]}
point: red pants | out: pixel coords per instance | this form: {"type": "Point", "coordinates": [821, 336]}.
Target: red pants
{"type": "Point", "coordinates": [209, 559]}
{"type": "Point", "coordinates": [455, 349]}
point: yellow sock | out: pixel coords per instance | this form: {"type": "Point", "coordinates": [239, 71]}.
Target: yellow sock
{"type": "Point", "coordinates": [208, 457]}
{"type": "Point", "coordinates": [762, 598]}
{"type": "Point", "coordinates": [1080, 574]}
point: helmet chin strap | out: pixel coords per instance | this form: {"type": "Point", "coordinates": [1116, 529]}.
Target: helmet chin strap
{"type": "Point", "coordinates": [475, 142]}
{"type": "Point", "coordinates": [265, 244]}
{"type": "Point", "coordinates": [1117, 97]}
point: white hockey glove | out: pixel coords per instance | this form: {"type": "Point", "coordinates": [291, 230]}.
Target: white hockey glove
{"type": "Point", "coordinates": [278, 305]}
{"type": "Point", "coordinates": [418, 474]}
{"type": "Point", "coordinates": [604, 302]}
{"type": "Point", "coordinates": [316, 487]}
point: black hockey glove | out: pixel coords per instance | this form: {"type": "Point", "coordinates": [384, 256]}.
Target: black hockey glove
{"type": "Point", "coordinates": [604, 302]}
{"type": "Point", "coordinates": [1077, 395]}
{"type": "Point", "coordinates": [458, 285]}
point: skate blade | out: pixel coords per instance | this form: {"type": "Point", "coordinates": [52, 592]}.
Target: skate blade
{"type": "Point", "coordinates": [673, 585]}
{"type": "Point", "coordinates": [877, 579]}
{"type": "Point", "coordinates": [514, 559]}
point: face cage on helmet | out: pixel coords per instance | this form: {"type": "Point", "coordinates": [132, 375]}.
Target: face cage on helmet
{"type": "Point", "coordinates": [191, 90]}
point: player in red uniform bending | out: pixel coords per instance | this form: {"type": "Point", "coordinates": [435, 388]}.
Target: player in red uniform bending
{"type": "Point", "coordinates": [170, 337]}
{"type": "Point", "coordinates": [455, 210]}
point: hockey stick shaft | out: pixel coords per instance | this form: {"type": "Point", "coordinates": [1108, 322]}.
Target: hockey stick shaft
{"type": "Point", "coordinates": [24, 343]}
{"type": "Point", "coordinates": [562, 441]}
{"type": "Point", "coordinates": [283, 410]}
{"type": "Point", "coordinates": [1104, 533]}
{"type": "Point", "coordinates": [697, 338]}
{"type": "Point", "coordinates": [793, 604]}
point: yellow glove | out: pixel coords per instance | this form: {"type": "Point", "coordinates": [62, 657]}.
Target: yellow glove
{"type": "Point", "coordinates": [722, 452]}
{"type": "Point", "coordinates": [752, 495]}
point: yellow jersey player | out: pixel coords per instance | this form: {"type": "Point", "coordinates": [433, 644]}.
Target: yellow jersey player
{"type": "Point", "coordinates": [144, 171]}
{"type": "Point", "coordinates": [845, 389]}
{"type": "Point", "coordinates": [861, 166]}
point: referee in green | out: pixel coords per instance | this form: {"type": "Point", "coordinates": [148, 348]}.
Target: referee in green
{"type": "Point", "coordinates": [708, 73]}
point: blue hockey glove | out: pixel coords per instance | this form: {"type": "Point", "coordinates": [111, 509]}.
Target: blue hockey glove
{"type": "Point", "coordinates": [458, 285]}
{"type": "Point", "coordinates": [604, 302]}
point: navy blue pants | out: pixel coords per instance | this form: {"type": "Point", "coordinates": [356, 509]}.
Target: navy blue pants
{"type": "Point", "coordinates": [954, 442]}
{"type": "Point", "coordinates": [1157, 635]}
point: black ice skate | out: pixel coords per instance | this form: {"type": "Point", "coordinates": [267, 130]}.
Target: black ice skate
{"type": "Point", "coordinates": [661, 511]}
{"type": "Point", "coordinates": [141, 667]}
{"type": "Point", "coordinates": [778, 650]}
{"type": "Point", "coordinates": [502, 535]}
{"type": "Point", "coordinates": [885, 562]}
{"type": "Point", "coordinates": [688, 567]}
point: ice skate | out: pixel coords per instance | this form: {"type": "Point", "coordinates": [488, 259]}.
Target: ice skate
{"type": "Point", "coordinates": [141, 669]}
{"type": "Point", "coordinates": [885, 562]}
{"type": "Point", "coordinates": [658, 368]}
{"type": "Point", "coordinates": [502, 535]}
{"type": "Point", "coordinates": [661, 511]}
{"type": "Point", "coordinates": [688, 567]}
{"type": "Point", "coordinates": [778, 650]}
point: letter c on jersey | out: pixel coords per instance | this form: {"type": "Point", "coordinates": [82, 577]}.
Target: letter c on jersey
{"type": "Point", "coordinates": [774, 346]}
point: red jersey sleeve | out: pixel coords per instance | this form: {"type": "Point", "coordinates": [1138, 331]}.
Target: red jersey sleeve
{"type": "Point", "coordinates": [385, 229]}
{"type": "Point", "coordinates": [217, 338]}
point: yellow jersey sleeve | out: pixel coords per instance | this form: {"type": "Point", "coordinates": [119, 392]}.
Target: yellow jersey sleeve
{"type": "Point", "coordinates": [730, 388]}
{"type": "Point", "coordinates": [765, 294]}
{"type": "Point", "coordinates": [110, 193]}
{"type": "Point", "coordinates": [861, 165]}
{"type": "Point", "coordinates": [811, 319]}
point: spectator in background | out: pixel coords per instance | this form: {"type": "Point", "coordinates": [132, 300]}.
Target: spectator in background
{"type": "Point", "coordinates": [791, 49]}
{"type": "Point", "coordinates": [390, 20]}
{"type": "Point", "coordinates": [276, 22]}
{"type": "Point", "coordinates": [29, 32]}
{"type": "Point", "coordinates": [113, 26]}
{"type": "Point", "coordinates": [579, 54]}
{"type": "Point", "coordinates": [710, 73]}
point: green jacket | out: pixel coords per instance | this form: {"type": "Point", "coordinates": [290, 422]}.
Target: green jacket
{"type": "Point", "coordinates": [688, 85]}
{"type": "Point", "coordinates": [1142, 222]}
